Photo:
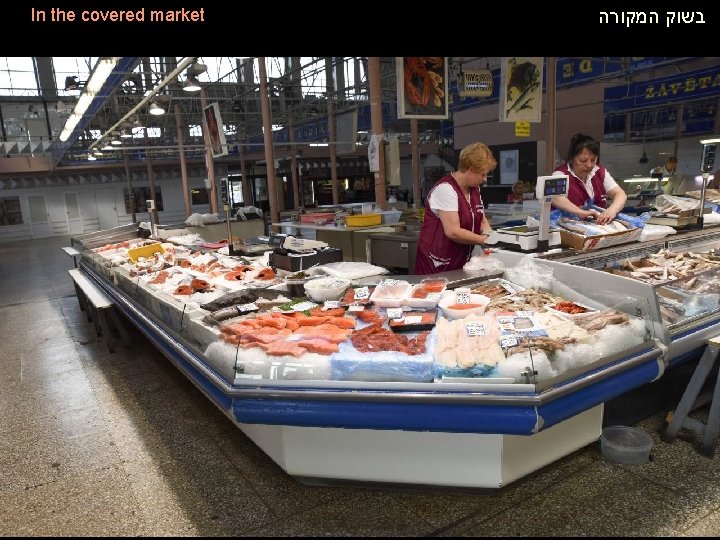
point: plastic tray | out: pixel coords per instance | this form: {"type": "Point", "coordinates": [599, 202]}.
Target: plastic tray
{"type": "Point", "coordinates": [310, 218]}
{"type": "Point", "coordinates": [363, 220]}
{"type": "Point", "coordinates": [396, 301]}
{"type": "Point", "coordinates": [144, 251]}
{"type": "Point", "coordinates": [416, 327]}
{"type": "Point", "coordinates": [425, 303]}
{"type": "Point", "coordinates": [572, 316]}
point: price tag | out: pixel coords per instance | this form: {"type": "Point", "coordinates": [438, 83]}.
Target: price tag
{"type": "Point", "coordinates": [434, 296]}
{"type": "Point", "coordinates": [462, 298]}
{"type": "Point", "coordinates": [361, 293]}
{"type": "Point", "coordinates": [395, 313]}
{"type": "Point", "coordinates": [331, 304]}
{"type": "Point", "coordinates": [475, 329]}
{"type": "Point", "coordinates": [525, 313]}
{"type": "Point", "coordinates": [244, 308]}
{"type": "Point", "coordinates": [510, 341]}
{"type": "Point", "coordinates": [355, 307]}
{"type": "Point", "coordinates": [390, 282]}
{"type": "Point", "coordinates": [413, 319]}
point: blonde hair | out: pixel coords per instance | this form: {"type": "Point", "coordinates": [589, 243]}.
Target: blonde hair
{"type": "Point", "coordinates": [475, 157]}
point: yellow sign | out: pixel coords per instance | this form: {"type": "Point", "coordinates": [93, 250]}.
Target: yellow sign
{"type": "Point", "coordinates": [522, 129]}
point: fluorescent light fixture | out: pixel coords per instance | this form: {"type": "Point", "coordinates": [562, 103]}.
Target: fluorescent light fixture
{"type": "Point", "coordinates": [102, 71]}
{"type": "Point", "coordinates": [91, 157]}
{"type": "Point", "coordinates": [714, 140]}
{"type": "Point", "coordinates": [116, 141]}
{"type": "Point", "coordinates": [125, 133]}
{"type": "Point", "coordinates": [83, 103]}
{"type": "Point", "coordinates": [108, 147]}
{"type": "Point", "coordinates": [319, 144]}
{"type": "Point", "coordinates": [643, 179]}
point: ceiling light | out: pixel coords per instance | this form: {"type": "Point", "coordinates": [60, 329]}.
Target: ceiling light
{"type": "Point", "coordinates": [195, 69]}
{"type": "Point", "coordinates": [125, 133]}
{"type": "Point", "coordinates": [108, 147]}
{"type": "Point", "coordinates": [156, 109]}
{"type": "Point", "coordinates": [191, 84]}
{"type": "Point", "coordinates": [115, 141]}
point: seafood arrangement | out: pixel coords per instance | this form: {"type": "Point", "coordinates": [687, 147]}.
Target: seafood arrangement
{"type": "Point", "coordinates": [666, 266]}
{"type": "Point", "coordinates": [250, 327]}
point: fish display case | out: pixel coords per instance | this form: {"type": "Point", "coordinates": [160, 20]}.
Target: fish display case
{"type": "Point", "coordinates": [683, 272]}
{"type": "Point", "coordinates": [504, 392]}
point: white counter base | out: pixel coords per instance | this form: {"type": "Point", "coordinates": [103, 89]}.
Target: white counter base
{"type": "Point", "coordinates": [428, 458]}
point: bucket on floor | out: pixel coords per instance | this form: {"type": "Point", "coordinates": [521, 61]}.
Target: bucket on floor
{"type": "Point", "coordinates": [626, 445]}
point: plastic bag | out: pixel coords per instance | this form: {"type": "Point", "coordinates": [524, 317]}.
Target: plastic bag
{"type": "Point", "coordinates": [352, 270]}
{"type": "Point", "coordinates": [484, 264]}
{"type": "Point", "coordinates": [670, 204]}
{"type": "Point", "coordinates": [655, 232]}
{"type": "Point", "coordinates": [530, 274]}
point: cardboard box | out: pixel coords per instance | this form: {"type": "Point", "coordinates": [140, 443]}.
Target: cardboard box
{"type": "Point", "coordinates": [590, 243]}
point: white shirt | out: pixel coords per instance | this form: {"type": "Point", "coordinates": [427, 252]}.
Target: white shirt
{"type": "Point", "coordinates": [609, 182]}
{"type": "Point", "coordinates": [444, 197]}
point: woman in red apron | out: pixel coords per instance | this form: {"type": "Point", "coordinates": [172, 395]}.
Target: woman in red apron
{"type": "Point", "coordinates": [455, 218]}
{"type": "Point", "coordinates": [589, 181]}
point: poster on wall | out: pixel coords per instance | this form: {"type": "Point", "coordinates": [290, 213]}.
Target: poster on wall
{"type": "Point", "coordinates": [521, 88]}
{"type": "Point", "coordinates": [216, 135]}
{"type": "Point", "coordinates": [422, 87]}
{"type": "Point", "coordinates": [509, 166]}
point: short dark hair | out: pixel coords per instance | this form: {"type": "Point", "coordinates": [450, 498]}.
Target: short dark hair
{"type": "Point", "coordinates": [580, 142]}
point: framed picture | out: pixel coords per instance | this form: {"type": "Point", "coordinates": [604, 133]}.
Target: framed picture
{"type": "Point", "coordinates": [422, 87]}
{"type": "Point", "coordinates": [521, 89]}
{"type": "Point", "coordinates": [216, 135]}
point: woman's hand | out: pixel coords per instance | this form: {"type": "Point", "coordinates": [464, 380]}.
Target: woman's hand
{"type": "Point", "coordinates": [588, 214]}
{"type": "Point", "coordinates": [606, 217]}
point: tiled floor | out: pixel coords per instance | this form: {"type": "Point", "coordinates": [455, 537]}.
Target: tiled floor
{"type": "Point", "coordinates": [93, 443]}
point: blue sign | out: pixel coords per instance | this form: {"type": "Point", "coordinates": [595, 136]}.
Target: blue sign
{"type": "Point", "coordinates": [689, 86]}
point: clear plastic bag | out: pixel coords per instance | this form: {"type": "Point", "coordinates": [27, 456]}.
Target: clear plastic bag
{"type": "Point", "coordinates": [531, 274]}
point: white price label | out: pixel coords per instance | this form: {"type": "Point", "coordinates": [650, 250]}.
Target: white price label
{"type": "Point", "coordinates": [505, 319]}
{"type": "Point", "coordinates": [525, 313]}
{"type": "Point", "coordinates": [434, 296]}
{"type": "Point", "coordinates": [361, 293]}
{"type": "Point", "coordinates": [413, 319]}
{"type": "Point", "coordinates": [331, 304]}
{"type": "Point", "coordinates": [356, 308]}
{"type": "Point", "coordinates": [246, 307]}
{"type": "Point", "coordinates": [395, 313]}
{"type": "Point", "coordinates": [302, 306]}
{"type": "Point", "coordinates": [462, 298]}
{"type": "Point", "coordinates": [475, 329]}
{"type": "Point", "coordinates": [508, 342]}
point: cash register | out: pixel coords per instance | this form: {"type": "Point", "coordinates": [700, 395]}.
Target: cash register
{"type": "Point", "coordinates": [295, 254]}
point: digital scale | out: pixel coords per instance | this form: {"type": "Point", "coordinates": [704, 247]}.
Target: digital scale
{"type": "Point", "coordinates": [541, 239]}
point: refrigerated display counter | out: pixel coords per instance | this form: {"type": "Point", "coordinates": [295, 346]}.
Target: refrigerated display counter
{"type": "Point", "coordinates": [697, 317]}
{"type": "Point", "coordinates": [407, 427]}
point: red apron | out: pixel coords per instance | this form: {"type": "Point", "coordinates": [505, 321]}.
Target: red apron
{"type": "Point", "coordinates": [577, 193]}
{"type": "Point", "coordinates": [435, 251]}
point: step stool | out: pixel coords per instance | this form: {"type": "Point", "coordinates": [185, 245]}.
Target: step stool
{"type": "Point", "coordinates": [692, 399]}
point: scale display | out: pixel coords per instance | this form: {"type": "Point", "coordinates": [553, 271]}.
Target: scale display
{"type": "Point", "coordinates": [552, 186]}
{"type": "Point", "coordinates": [555, 186]}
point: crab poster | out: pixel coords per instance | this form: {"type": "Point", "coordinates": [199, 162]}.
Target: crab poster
{"type": "Point", "coordinates": [422, 87]}
{"type": "Point", "coordinates": [521, 88]}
